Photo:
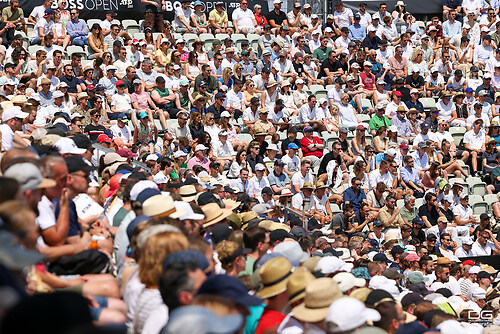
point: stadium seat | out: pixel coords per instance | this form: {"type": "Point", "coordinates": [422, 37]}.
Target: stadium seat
{"type": "Point", "coordinates": [419, 202]}
{"type": "Point", "coordinates": [400, 203]}
{"type": "Point", "coordinates": [139, 35]}
{"type": "Point", "coordinates": [321, 94]}
{"type": "Point", "coordinates": [75, 49]}
{"type": "Point", "coordinates": [473, 199]}
{"type": "Point", "coordinates": [245, 137]}
{"type": "Point", "coordinates": [457, 130]}
{"type": "Point", "coordinates": [315, 88]}
{"type": "Point", "coordinates": [127, 23]}
{"type": "Point", "coordinates": [221, 37]}
{"type": "Point", "coordinates": [428, 102]}
{"type": "Point", "coordinates": [364, 118]}
{"type": "Point", "coordinates": [133, 29]}
{"type": "Point", "coordinates": [365, 104]}
{"type": "Point", "coordinates": [479, 208]}
{"type": "Point", "coordinates": [490, 199]}
{"type": "Point", "coordinates": [328, 87]}
{"type": "Point", "coordinates": [205, 37]}
{"type": "Point", "coordinates": [476, 185]}
{"type": "Point", "coordinates": [171, 122]}
{"type": "Point", "coordinates": [32, 49]}
{"type": "Point", "coordinates": [335, 208]}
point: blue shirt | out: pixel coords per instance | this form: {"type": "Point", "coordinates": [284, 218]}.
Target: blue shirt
{"type": "Point", "coordinates": [419, 106]}
{"type": "Point", "coordinates": [379, 158]}
{"type": "Point", "coordinates": [109, 85]}
{"type": "Point", "coordinates": [403, 125]}
{"type": "Point", "coordinates": [450, 30]}
{"type": "Point", "coordinates": [352, 198]}
{"type": "Point", "coordinates": [77, 29]}
{"type": "Point", "coordinates": [409, 175]}
{"type": "Point", "coordinates": [247, 68]}
{"type": "Point", "coordinates": [357, 33]}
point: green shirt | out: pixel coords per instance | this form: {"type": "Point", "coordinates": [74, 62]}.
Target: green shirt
{"type": "Point", "coordinates": [408, 215]}
{"type": "Point", "coordinates": [8, 14]}
{"type": "Point", "coordinates": [321, 54]}
{"type": "Point", "coordinates": [376, 122]}
{"type": "Point", "coordinates": [164, 93]}
{"type": "Point", "coordinates": [248, 268]}
{"type": "Point", "coordinates": [496, 173]}
{"type": "Point", "coordinates": [119, 216]}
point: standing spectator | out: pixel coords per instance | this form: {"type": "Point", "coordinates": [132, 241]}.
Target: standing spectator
{"type": "Point", "coordinates": [153, 17]}
{"type": "Point", "coordinates": [77, 29]}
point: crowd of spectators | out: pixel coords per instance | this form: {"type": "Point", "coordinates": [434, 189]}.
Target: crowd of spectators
{"type": "Point", "coordinates": [250, 172]}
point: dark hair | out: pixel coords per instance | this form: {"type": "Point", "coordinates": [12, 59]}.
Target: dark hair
{"type": "Point", "coordinates": [253, 236]}
{"type": "Point", "coordinates": [174, 280]}
{"type": "Point", "coordinates": [388, 312]}
{"type": "Point", "coordinates": [238, 155]}
{"type": "Point", "coordinates": [429, 196]}
{"type": "Point", "coordinates": [310, 97]}
{"type": "Point", "coordinates": [424, 260]}
{"type": "Point", "coordinates": [347, 207]}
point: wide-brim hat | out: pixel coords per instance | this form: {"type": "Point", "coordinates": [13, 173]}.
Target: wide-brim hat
{"type": "Point", "coordinates": [188, 193]}
{"type": "Point", "coordinates": [297, 282]}
{"type": "Point", "coordinates": [161, 206]}
{"type": "Point", "coordinates": [274, 275]}
{"type": "Point", "coordinates": [214, 214]}
{"type": "Point", "coordinates": [320, 294]}
{"type": "Point", "coordinates": [307, 185]}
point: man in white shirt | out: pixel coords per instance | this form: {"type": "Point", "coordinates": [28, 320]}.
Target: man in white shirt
{"type": "Point", "coordinates": [445, 106]}
{"type": "Point", "coordinates": [258, 182]}
{"type": "Point", "coordinates": [121, 130]}
{"type": "Point", "coordinates": [12, 121]}
{"type": "Point", "coordinates": [343, 16]}
{"type": "Point", "coordinates": [424, 135]}
{"type": "Point", "coordinates": [302, 176]}
{"type": "Point", "coordinates": [39, 11]}
{"type": "Point", "coordinates": [229, 61]}
{"type": "Point", "coordinates": [485, 244]}
{"type": "Point", "coordinates": [183, 17]}
{"type": "Point", "coordinates": [251, 114]}
{"type": "Point", "coordinates": [474, 142]}
{"type": "Point", "coordinates": [222, 149]}
{"type": "Point", "coordinates": [381, 175]}
{"type": "Point", "coordinates": [299, 202]}
{"type": "Point", "coordinates": [465, 250]}
{"type": "Point", "coordinates": [244, 20]}
{"type": "Point", "coordinates": [122, 63]}
{"type": "Point", "coordinates": [235, 100]}
{"type": "Point", "coordinates": [421, 159]}
{"type": "Point", "coordinates": [483, 52]}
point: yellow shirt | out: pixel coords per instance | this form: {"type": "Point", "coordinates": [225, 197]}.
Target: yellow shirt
{"type": "Point", "coordinates": [219, 19]}
{"type": "Point", "coordinates": [164, 59]}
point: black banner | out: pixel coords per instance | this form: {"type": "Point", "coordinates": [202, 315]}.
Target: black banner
{"type": "Point", "coordinates": [420, 7]}
{"type": "Point", "coordinates": [492, 260]}
{"type": "Point", "coordinates": [125, 9]}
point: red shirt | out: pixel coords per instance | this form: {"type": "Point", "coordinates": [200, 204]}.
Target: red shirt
{"type": "Point", "coordinates": [368, 80]}
{"type": "Point", "coordinates": [269, 321]}
{"type": "Point", "coordinates": [304, 143]}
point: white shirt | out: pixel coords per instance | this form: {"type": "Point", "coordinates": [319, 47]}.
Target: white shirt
{"type": "Point", "coordinates": [121, 102]}
{"type": "Point", "coordinates": [482, 53]}
{"type": "Point", "coordinates": [297, 178]}
{"type": "Point", "coordinates": [344, 18]}
{"type": "Point", "coordinates": [216, 71]}
{"type": "Point", "coordinates": [307, 114]}
{"type": "Point", "coordinates": [123, 133]}
{"type": "Point", "coordinates": [223, 150]}
{"type": "Point", "coordinates": [445, 110]}
{"type": "Point", "coordinates": [38, 13]}
{"type": "Point", "coordinates": [249, 116]}
{"type": "Point", "coordinates": [185, 14]}
{"type": "Point", "coordinates": [435, 82]}
{"type": "Point", "coordinates": [255, 186]}
{"type": "Point", "coordinates": [7, 137]}
{"type": "Point", "coordinates": [453, 286]}
{"type": "Point", "coordinates": [462, 253]}
{"type": "Point", "coordinates": [122, 66]}
{"type": "Point", "coordinates": [475, 141]}
{"type": "Point", "coordinates": [234, 99]}
{"type": "Point", "coordinates": [244, 18]}
{"type": "Point", "coordinates": [478, 250]}
{"type": "Point", "coordinates": [392, 107]}
{"type": "Point", "coordinates": [47, 27]}
{"type": "Point", "coordinates": [383, 56]}
{"type": "Point", "coordinates": [292, 164]}
{"type": "Point", "coordinates": [463, 213]}
{"type": "Point", "coordinates": [375, 177]}
{"type": "Point", "coordinates": [298, 202]}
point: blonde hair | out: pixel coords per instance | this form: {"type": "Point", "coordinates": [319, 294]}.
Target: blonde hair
{"type": "Point", "coordinates": [156, 249]}
{"type": "Point", "coordinates": [226, 250]}
{"type": "Point", "coordinates": [219, 305]}
{"type": "Point", "coordinates": [16, 216]}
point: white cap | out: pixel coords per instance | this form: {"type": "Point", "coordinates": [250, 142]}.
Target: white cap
{"type": "Point", "coordinates": [367, 63]}
{"type": "Point", "coordinates": [466, 26]}
{"type": "Point", "coordinates": [331, 264]}
{"type": "Point", "coordinates": [328, 29]}
{"type": "Point", "coordinates": [348, 313]}
{"type": "Point", "coordinates": [186, 207]}
{"type": "Point", "coordinates": [151, 157]}
{"type": "Point", "coordinates": [485, 29]}
{"type": "Point", "coordinates": [474, 270]}
{"type": "Point", "coordinates": [316, 32]}
{"type": "Point", "coordinates": [76, 115]}
{"type": "Point", "coordinates": [260, 167]}
{"type": "Point", "coordinates": [13, 112]}
{"type": "Point", "coordinates": [176, 67]}
{"type": "Point", "coordinates": [111, 67]}
{"type": "Point", "coordinates": [414, 90]}
{"type": "Point", "coordinates": [415, 69]}
{"type": "Point", "coordinates": [179, 153]}
{"type": "Point", "coordinates": [299, 81]}
{"type": "Point", "coordinates": [434, 69]}
{"type": "Point", "coordinates": [200, 147]}
{"type": "Point", "coordinates": [391, 152]}
{"type": "Point", "coordinates": [179, 41]}
{"type": "Point", "coordinates": [467, 241]}
{"type": "Point", "coordinates": [140, 186]}
{"type": "Point", "coordinates": [371, 29]}
{"type": "Point", "coordinates": [272, 147]}
{"type": "Point", "coordinates": [487, 75]}
{"type": "Point", "coordinates": [376, 16]}
{"type": "Point", "coordinates": [314, 16]}
{"type": "Point", "coordinates": [347, 281]}
{"type": "Point", "coordinates": [164, 40]}
{"type": "Point", "coordinates": [225, 113]}
{"type": "Point", "coordinates": [61, 84]}
{"type": "Point", "coordinates": [66, 145]}
{"type": "Point", "coordinates": [276, 2]}
{"type": "Point", "coordinates": [57, 94]}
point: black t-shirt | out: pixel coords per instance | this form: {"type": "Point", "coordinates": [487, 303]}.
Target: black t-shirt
{"type": "Point", "coordinates": [94, 131]}
{"type": "Point", "coordinates": [326, 64]}
{"type": "Point", "coordinates": [326, 159]}
{"type": "Point", "coordinates": [344, 145]}
{"type": "Point", "coordinates": [128, 83]}
{"type": "Point", "coordinates": [406, 93]}
{"type": "Point", "coordinates": [285, 142]}
{"type": "Point", "coordinates": [420, 235]}
{"type": "Point", "coordinates": [432, 216]}
{"type": "Point", "coordinates": [299, 68]}
{"type": "Point", "coordinates": [448, 214]}
{"type": "Point", "coordinates": [278, 18]}
{"type": "Point", "coordinates": [372, 44]}
{"type": "Point", "coordinates": [415, 83]}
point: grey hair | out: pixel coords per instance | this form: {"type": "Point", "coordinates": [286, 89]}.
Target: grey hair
{"type": "Point", "coordinates": [408, 199]}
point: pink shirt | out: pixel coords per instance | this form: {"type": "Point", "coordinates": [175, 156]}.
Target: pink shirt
{"type": "Point", "coordinates": [194, 161]}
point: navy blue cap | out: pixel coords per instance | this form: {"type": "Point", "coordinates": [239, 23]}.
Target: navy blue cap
{"type": "Point", "coordinates": [131, 226]}
{"type": "Point", "coordinates": [186, 256]}
{"type": "Point", "coordinates": [380, 257]}
{"type": "Point", "coordinates": [378, 223]}
{"type": "Point", "coordinates": [418, 220]}
{"type": "Point", "coordinates": [397, 250]}
{"type": "Point", "coordinates": [373, 243]}
{"type": "Point", "coordinates": [377, 295]}
{"type": "Point", "coordinates": [63, 114]}
{"type": "Point", "coordinates": [219, 95]}
{"type": "Point", "coordinates": [147, 193]}
{"type": "Point", "coordinates": [220, 233]}
{"type": "Point", "coordinates": [99, 87]}
{"type": "Point", "coordinates": [230, 288]}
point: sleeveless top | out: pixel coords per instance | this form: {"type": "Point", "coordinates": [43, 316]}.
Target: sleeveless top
{"type": "Point", "coordinates": [145, 135]}
{"type": "Point", "coordinates": [446, 157]}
